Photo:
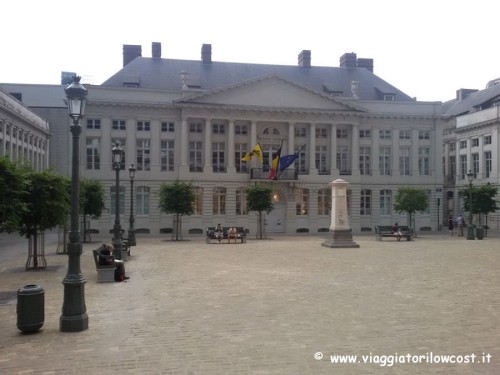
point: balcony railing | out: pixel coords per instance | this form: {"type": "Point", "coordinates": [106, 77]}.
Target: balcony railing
{"type": "Point", "coordinates": [263, 174]}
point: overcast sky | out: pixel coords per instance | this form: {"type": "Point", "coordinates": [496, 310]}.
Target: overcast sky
{"type": "Point", "coordinates": [427, 48]}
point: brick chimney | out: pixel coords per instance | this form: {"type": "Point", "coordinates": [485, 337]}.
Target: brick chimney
{"type": "Point", "coordinates": [206, 53]}
{"type": "Point", "coordinates": [366, 63]}
{"type": "Point", "coordinates": [156, 50]}
{"type": "Point", "coordinates": [348, 60]}
{"type": "Point", "coordinates": [305, 59]}
{"type": "Point", "coordinates": [130, 52]}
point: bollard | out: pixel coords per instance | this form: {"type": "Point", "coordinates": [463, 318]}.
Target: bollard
{"type": "Point", "coordinates": [30, 308]}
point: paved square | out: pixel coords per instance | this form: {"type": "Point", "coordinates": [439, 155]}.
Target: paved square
{"type": "Point", "coordinates": [278, 306]}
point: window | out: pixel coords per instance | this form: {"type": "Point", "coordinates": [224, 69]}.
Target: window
{"type": "Point", "coordinates": [300, 132]}
{"type": "Point", "coordinates": [463, 144]}
{"type": "Point", "coordinates": [239, 152]}
{"type": "Point", "coordinates": [384, 161]}
{"type": "Point", "coordinates": [366, 202]}
{"type": "Point", "coordinates": [241, 129]}
{"type": "Point", "coordinates": [198, 201]}
{"type": "Point", "coordinates": [142, 200]}
{"type": "Point", "coordinates": [219, 201]}
{"type": "Point", "coordinates": [452, 167]}
{"type": "Point", "coordinates": [218, 128]}
{"type": "Point", "coordinates": [385, 202]}
{"type": "Point", "coordinates": [424, 134]}
{"type": "Point", "coordinates": [389, 97]}
{"type": "Point", "coordinates": [195, 127]}
{"type": "Point", "coordinates": [487, 164]}
{"type": "Point", "coordinates": [300, 162]}
{"type": "Point", "coordinates": [121, 202]}
{"type": "Point", "coordinates": [121, 142]}
{"type": "Point", "coordinates": [404, 161]}
{"type": "Point", "coordinates": [475, 142]}
{"type": "Point", "coordinates": [321, 133]}
{"type": "Point", "coordinates": [424, 161]}
{"type": "Point", "coordinates": [195, 157]}
{"type": "Point", "coordinates": [475, 164]}
{"type": "Point", "coordinates": [93, 154]}
{"type": "Point", "coordinates": [463, 166]}
{"type": "Point", "coordinates": [143, 154]}
{"type": "Point", "coordinates": [321, 153]}
{"type": "Point", "coordinates": [342, 159]}
{"type": "Point", "coordinates": [168, 127]}
{"type": "Point", "coordinates": [405, 134]}
{"type": "Point", "coordinates": [342, 134]}
{"type": "Point", "coordinates": [218, 157]}
{"type": "Point", "coordinates": [452, 146]}
{"type": "Point", "coordinates": [365, 134]}
{"type": "Point", "coordinates": [143, 126]}
{"type": "Point", "coordinates": [167, 156]}
{"type": "Point", "coordinates": [301, 201]}
{"type": "Point", "coordinates": [93, 123]}
{"type": "Point", "coordinates": [324, 201]}
{"type": "Point", "coordinates": [385, 134]}
{"type": "Point", "coordinates": [487, 140]}
{"type": "Point", "coordinates": [118, 125]}
{"type": "Point", "coordinates": [241, 201]}
{"type": "Point", "coordinates": [365, 161]}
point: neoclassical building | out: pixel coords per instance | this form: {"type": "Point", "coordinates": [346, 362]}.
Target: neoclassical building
{"type": "Point", "coordinates": [195, 120]}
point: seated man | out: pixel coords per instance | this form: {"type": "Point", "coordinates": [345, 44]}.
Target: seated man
{"type": "Point", "coordinates": [105, 258]}
{"type": "Point", "coordinates": [396, 231]}
{"type": "Point", "coordinates": [219, 233]}
{"type": "Point", "coordinates": [231, 234]}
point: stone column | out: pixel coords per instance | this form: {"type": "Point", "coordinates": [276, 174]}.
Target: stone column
{"type": "Point", "coordinates": [230, 148]}
{"type": "Point", "coordinates": [340, 232]}
{"type": "Point", "coordinates": [207, 147]}
{"type": "Point", "coordinates": [184, 167]}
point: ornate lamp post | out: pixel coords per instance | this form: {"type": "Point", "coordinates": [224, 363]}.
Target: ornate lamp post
{"type": "Point", "coordinates": [74, 316]}
{"type": "Point", "coordinates": [131, 230]}
{"type": "Point", "coordinates": [117, 229]}
{"type": "Point", "coordinates": [470, 228]}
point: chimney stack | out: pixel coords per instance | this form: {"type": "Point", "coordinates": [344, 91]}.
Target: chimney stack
{"type": "Point", "coordinates": [206, 53]}
{"type": "Point", "coordinates": [130, 52]}
{"type": "Point", "coordinates": [156, 50]}
{"type": "Point", "coordinates": [305, 59]}
{"type": "Point", "coordinates": [366, 63]}
{"type": "Point", "coordinates": [348, 60]}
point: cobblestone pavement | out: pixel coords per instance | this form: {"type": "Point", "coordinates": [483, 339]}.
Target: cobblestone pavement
{"type": "Point", "coordinates": [267, 307]}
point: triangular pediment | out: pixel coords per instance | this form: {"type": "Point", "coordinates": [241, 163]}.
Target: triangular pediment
{"type": "Point", "coordinates": [268, 92]}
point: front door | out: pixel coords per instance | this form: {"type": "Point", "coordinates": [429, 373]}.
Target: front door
{"type": "Point", "coordinates": [275, 220]}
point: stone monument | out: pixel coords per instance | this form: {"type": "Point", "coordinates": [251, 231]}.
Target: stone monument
{"type": "Point", "coordinates": [340, 232]}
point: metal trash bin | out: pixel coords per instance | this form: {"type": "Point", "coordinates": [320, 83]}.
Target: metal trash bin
{"type": "Point", "coordinates": [30, 308]}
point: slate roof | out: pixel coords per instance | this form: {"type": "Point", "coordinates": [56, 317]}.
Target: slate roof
{"type": "Point", "coordinates": [164, 74]}
{"type": "Point", "coordinates": [475, 101]}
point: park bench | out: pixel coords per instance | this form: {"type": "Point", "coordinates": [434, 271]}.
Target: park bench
{"type": "Point", "coordinates": [105, 273]}
{"type": "Point", "coordinates": [241, 234]}
{"type": "Point", "coordinates": [386, 231]}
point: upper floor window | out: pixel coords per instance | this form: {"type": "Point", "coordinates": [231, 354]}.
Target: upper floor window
{"type": "Point", "coordinates": [365, 134]}
{"type": "Point", "coordinates": [475, 142]}
{"type": "Point", "coordinates": [389, 97]}
{"type": "Point", "coordinates": [300, 132]}
{"type": "Point", "coordinates": [424, 134]}
{"type": "Point", "coordinates": [271, 131]}
{"type": "Point", "coordinates": [93, 123]}
{"type": "Point", "coordinates": [219, 128]}
{"type": "Point", "coordinates": [195, 127]}
{"type": "Point", "coordinates": [321, 133]}
{"type": "Point", "coordinates": [143, 126]}
{"type": "Point", "coordinates": [405, 134]}
{"type": "Point", "coordinates": [118, 125]}
{"type": "Point", "coordinates": [452, 146]}
{"type": "Point", "coordinates": [487, 139]}
{"type": "Point", "coordinates": [385, 134]}
{"type": "Point", "coordinates": [342, 133]}
{"type": "Point", "coordinates": [463, 144]}
{"type": "Point", "coordinates": [240, 129]}
{"type": "Point", "coordinates": [168, 126]}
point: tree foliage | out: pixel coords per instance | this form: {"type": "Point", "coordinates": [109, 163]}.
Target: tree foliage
{"type": "Point", "coordinates": [91, 198]}
{"type": "Point", "coordinates": [483, 199]}
{"type": "Point", "coordinates": [411, 200]}
{"type": "Point", "coordinates": [177, 198]}
{"type": "Point", "coordinates": [12, 194]}
{"type": "Point", "coordinates": [259, 198]}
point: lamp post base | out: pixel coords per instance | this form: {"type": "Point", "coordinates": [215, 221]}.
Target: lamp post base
{"type": "Point", "coordinates": [470, 233]}
{"type": "Point", "coordinates": [74, 317]}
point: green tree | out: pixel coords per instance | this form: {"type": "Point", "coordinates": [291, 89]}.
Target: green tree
{"type": "Point", "coordinates": [411, 200]}
{"type": "Point", "coordinates": [259, 198]}
{"type": "Point", "coordinates": [12, 191]}
{"type": "Point", "coordinates": [177, 198]}
{"type": "Point", "coordinates": [47, 203]}
{"type": "Point", "coordinates": [483, 200]}
{"type": "Point", "coordinates": [91, 202]}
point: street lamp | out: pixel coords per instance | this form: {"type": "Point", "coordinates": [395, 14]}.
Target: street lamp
{"type": "Point", "coordinates": [131, 230]}
{"type": "Point", "coordinates": [118, 154]}
{"type": "Point", "coordinates": [470, 228]}
{"type": "Point", "coordinates": [74, 316]}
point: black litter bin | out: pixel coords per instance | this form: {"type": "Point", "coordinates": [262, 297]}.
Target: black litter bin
{"type": "Point", "coordinates": [30, 308]}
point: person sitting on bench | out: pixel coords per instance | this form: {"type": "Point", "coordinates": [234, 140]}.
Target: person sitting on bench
{"type": "Point", "coordinates": [396, 231]}
{"type": "Point", "coordinates": [219, 233]}
{"type": "Point", "coordinates": [105, 259]}
{"type": "Point", "coordinates": [231, 234]}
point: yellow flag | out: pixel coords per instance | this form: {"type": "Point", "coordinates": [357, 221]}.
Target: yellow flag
{"type": "Point", "coordinates": [257, 151]}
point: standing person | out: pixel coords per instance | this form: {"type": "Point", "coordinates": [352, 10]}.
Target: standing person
{"type": "Point", "coordinates": [219, 233]}
{"type": "Point", "coordinates": [397, 231]}
{"type": "Point", "coordinates": [451, 225]}
{"type": "Point", "coordinates": [460, 224]}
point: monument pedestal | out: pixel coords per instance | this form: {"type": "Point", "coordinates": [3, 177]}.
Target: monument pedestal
{"type": "Point", "coordinates": [340, 238]}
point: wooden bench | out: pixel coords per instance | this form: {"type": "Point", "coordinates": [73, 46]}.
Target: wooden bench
{"type": "Point", "coordinates": [386, 231]}
{"type": "Point", "coordinates": [105, 274]}
{"type": "Point", "coordinates": [241, 234]}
